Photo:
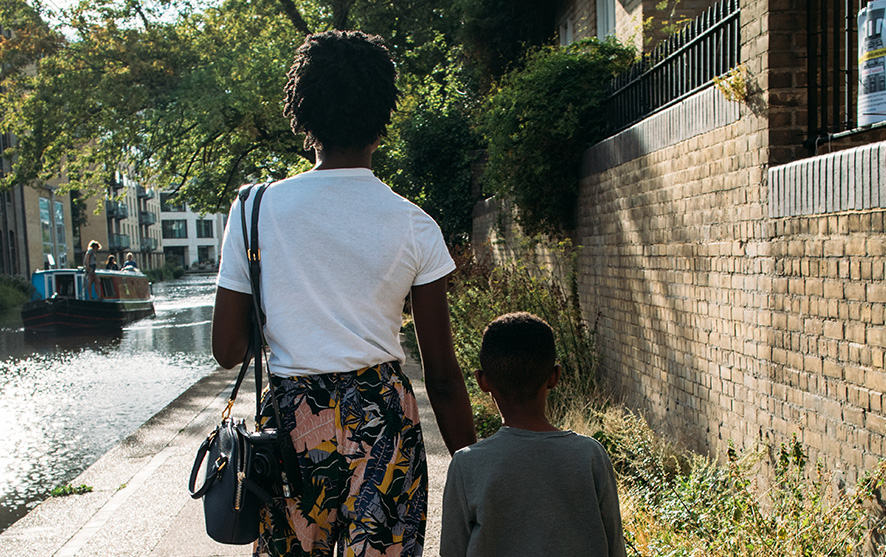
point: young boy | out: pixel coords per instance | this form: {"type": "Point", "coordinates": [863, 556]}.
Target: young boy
{"type": "Point", "coordinates": [530, 489]}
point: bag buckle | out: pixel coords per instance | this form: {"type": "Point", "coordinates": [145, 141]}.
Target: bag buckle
{"type": "Point", "coordinates": [226, 413]}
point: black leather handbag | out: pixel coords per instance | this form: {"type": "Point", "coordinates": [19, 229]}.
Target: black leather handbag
{"type": "Point", "coordinates": [244, 470]}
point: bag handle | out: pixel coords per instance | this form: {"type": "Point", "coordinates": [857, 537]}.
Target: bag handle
{"type": "Point", "coordinates": [257, 339]}
{"type": "Point", "coordinates": [212, 475]}
{"type": "Point", "coordinates": [251, 348]}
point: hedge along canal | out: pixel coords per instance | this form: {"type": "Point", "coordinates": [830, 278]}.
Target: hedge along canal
{"type": "Point", "coordinates": [66, 400]}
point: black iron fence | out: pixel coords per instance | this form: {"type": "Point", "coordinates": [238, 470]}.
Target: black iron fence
{"type": "Point", "coordinates": [679, 66]}
{"type": "Point", "coordinates": [832, 67]}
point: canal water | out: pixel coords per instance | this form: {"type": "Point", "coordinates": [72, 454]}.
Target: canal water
{"type": "Point", "coordinates": [65, 401]}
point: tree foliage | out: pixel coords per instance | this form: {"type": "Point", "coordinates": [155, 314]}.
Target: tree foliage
{"type": "Point", "coordinates": [496, 34]}
{"type": "Point", "coordinates": [186, 99]}
{"type": "Point", "coordinates": [184, 104]}
{"type": "Point", "coordinates": [538, 123]}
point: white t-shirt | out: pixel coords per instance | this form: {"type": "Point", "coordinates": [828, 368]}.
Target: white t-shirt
{"type": "Point", "coordinates": [339, 253]}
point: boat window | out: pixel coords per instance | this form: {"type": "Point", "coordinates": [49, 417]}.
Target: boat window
{"type": "Point", "coordinates": [108, 288]}
{"type": "Point", "coordinates": [64, 285]}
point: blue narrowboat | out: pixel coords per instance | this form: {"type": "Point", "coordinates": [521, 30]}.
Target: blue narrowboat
{"type": "Point", "coordinates": [61, 304]}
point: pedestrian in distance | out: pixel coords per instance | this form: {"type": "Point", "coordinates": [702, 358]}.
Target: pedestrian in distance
{"type": "Point", "coordinates": [530, 489]}
{"type": "Point", "coordinates": [90, 264]}
{"type": "Point", "coordinates": [340, 252]}
{"type": "Point", "coordinates": [130, 263]}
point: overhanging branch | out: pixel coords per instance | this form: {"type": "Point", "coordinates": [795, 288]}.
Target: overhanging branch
{"type": "Point", "coordinates": [294, 16]}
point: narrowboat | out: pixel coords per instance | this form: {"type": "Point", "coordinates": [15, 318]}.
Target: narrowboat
{"type": "Point", "coordinates": [61, 304]}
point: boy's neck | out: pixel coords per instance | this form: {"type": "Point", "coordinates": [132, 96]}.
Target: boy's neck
{"type": "Point", "coordinates": [529, 416]}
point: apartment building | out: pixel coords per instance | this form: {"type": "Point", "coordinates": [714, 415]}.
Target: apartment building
{"type": "Point", "coordinates": [127, 221]}
{"type": "Point", "coordinates": [36, 230]}
{"type": "Point", "coordinates": [192, 238]}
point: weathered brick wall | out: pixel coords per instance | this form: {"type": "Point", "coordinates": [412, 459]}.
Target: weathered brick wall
{"type": "Point", "coordinates": [730, 308]}
{"type": "Point", "coordinates": [676, 264]}
{"type": "Point", "coordinates": [718, 321]}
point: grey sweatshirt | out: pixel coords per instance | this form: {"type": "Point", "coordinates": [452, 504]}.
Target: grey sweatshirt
{"type": "Point", "coordinates": [531, 493]}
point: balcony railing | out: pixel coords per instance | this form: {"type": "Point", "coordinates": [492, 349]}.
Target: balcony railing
{"type": "Point", "coordinates": [145, 193]}
{"type": "Point", "coordinates": [680, 66]}
{"type": "Point", "coordinates": [149, 244]}
{"type": "Point", "coordinates": [116, 210]}
{"type": "Point", "coordinates": [118, 242]}
{"type": "Point", "coordinates": [147, 218]}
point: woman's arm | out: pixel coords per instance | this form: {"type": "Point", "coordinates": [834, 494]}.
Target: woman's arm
{"type": "Point", "coordinates": [443, 377]}
{"type": "Point", "coordinates": [231, 322]}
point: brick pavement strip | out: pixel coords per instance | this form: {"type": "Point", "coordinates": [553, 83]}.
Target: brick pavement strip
{"type": "Point", "coordinates": [139, 505]}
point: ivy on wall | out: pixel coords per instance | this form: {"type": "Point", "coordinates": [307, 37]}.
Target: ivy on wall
{"type": "Point", "coordinates": [540, 120]}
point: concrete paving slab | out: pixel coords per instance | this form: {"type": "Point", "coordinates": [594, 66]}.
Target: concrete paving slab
{"type": "Point", "coordinates": [139, 505]}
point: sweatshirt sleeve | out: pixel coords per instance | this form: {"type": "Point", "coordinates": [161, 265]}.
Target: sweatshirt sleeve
{"type": "Point", "coordinates": [607, 491]}
{"type": "Point", "coordinates": [456, 530]}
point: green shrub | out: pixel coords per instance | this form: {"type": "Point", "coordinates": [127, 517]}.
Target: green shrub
{"type": "Point", "coordinates": [14, 291]}
{"type": "Point", "coordinates": [436, 157]}
{"type": "Point", "coordinates": [540, 121]}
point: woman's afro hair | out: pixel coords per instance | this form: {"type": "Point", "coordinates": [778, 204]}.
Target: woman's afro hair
{"type": "Point", "coordinates": [341, 90]}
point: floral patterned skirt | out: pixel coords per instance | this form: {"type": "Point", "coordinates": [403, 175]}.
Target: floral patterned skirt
{"type": "Point", "coordinates": [361, 456]}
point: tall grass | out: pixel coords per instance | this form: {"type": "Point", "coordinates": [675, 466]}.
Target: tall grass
{"type": "Point", "coordinates": [480, 293]}
{"type": "Point", "coordinates": [757, 502]}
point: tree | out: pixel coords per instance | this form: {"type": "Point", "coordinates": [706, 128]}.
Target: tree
{"type": "Point", "coordinates": [540, 121]}
{"type": "Point", "coordinates": [191, 103]}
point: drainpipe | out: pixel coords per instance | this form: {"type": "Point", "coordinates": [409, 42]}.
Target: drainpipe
{"type": "Point", "coordinates": [24, 240]}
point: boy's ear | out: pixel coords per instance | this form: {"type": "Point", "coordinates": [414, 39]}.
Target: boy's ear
{"type": "Point", "coordinates": [481, 380]}
{"type": "Point", "coordinates": [555, 377]}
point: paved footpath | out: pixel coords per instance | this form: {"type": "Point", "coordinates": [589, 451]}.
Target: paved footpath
{"type": "Point", "coordinates": [140, 506]}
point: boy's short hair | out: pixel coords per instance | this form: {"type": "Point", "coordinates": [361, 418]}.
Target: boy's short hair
{"type": "Point", "coordinates": [341, 90]}
{"type": "Point", "coordinates": [517, 355]}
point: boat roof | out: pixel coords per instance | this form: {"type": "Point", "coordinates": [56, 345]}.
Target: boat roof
{"type": "Point", "coordinates": [105, 272]}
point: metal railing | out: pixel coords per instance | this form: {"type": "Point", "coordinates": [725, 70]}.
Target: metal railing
{"type": "Point", "coordinates": [678, 67]}
{"type": "Point", "coordinates": [147, 218]}
{"type": "Point", "coordinates": [145, 193]}
{"type": "Point", "coordinates": [832, 67]}
{"type": "Point", "coordinates": [118, 241]}
{"type": "Point", "coordinates": [116, 210]}
{"type": "Point", "coordinates": [149, 244]}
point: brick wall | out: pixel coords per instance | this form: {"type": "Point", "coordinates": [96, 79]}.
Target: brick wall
{"type": "Point", "coordinates": [719, 322]}
{"type": "Point", "coordinates": [718, 319]}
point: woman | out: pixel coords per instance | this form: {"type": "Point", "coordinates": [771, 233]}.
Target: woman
{"type": "Point", "coordinates": [90, 263]}
{"type": "Point", "coordinates": [111, 264]}
{"type": "Point", "coordinates": [340, 253]}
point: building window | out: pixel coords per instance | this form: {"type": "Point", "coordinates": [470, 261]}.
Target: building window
{"type": "Point", "coordinates": [605, 18]}
{"type": "Point", "coordinates": [168, 205]}
{"type": "Point", "coordinates": [204, 229]}
{"type": "Point", "coordinates": [46, 228]}
{"type": "Point", "coordinates": [61, 244]}
{"type": "Point", "coordinates": [175, 228]}
{"type": "Point", "coordinates": [567, 32]}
